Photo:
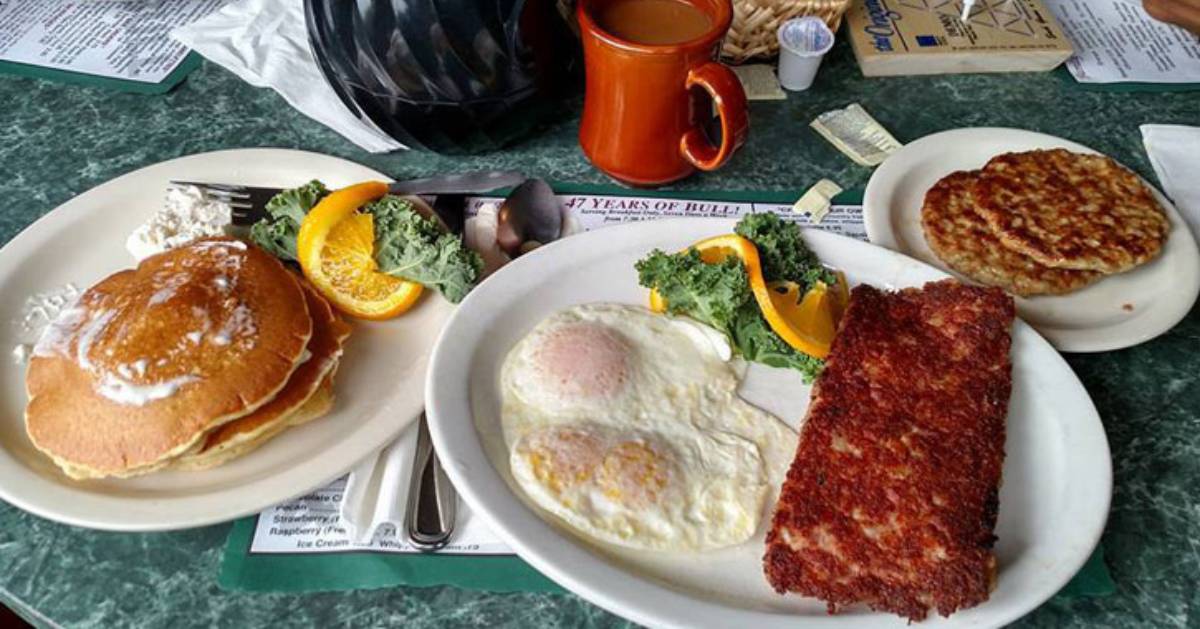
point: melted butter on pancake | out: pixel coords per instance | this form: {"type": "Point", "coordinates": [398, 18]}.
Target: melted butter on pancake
{"type": "Point", "coordinates": [126, 376]}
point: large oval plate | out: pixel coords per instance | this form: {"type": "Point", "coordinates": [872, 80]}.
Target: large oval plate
{"type": "Point", "coordinates": [1118, 311]}
{"type": "Point", "coordinates": [379, 383]}
{"type": "Point", "coordinates": [1057, 475]}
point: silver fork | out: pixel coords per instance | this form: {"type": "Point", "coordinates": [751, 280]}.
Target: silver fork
{"type": "Point", "coordinates": [249, 203]}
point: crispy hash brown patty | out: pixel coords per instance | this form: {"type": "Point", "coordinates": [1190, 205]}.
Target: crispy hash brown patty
{"type": "Point", "coordinates": [1070, 211]}
{"type": "Point", "coordinates": [962, 239]}
{"type": "Point", "coordinates": [892, 497]}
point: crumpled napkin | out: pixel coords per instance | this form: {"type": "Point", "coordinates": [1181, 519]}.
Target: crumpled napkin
{"type": "Point", "coordinates": [265, 43]}
{"type": "Point", "coordinates": [377, 491]}
{"type": "Point", "coordinates": [1174, 152]}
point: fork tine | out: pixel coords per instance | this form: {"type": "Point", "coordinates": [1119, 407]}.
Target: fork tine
{"type": "Point", "coordinates": [249, 216]}
{"type": "Point", "coordinates": [219, 190]}
{"type": "Point", "coordinates": [223, 194]}
{"type": "Point", "coordinates": [228, 187]}
{"type": "Point", "coordinates": [247, 204]}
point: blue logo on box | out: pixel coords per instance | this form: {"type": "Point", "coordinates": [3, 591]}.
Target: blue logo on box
{"type": "Point", "coordinates": [926, 40]}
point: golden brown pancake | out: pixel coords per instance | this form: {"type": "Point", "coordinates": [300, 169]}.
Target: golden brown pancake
{"type": "Point", "coordinates": [317, 405]}
{"type": "Point", "coordinates": [324, 351]}
{"type": "Point", "coordinates": [150, 359]}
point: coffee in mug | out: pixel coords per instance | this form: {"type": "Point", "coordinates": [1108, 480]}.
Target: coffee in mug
{"type": "Point", "coordinates": [652, 81]}
{"type": "Point", "coordinates": [654, 21]}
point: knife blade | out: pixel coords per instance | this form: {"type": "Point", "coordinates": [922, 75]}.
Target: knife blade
{"type": "Point", "coordinates": [460, 183]}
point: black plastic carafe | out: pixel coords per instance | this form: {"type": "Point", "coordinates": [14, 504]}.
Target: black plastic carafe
{"type": "Point", "coordinates": [452, 76]}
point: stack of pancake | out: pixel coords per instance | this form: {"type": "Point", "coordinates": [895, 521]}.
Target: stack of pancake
{"type": "Point", "coordinates": [1043, 222]}
{"type": "Point", "coordinates": [197, 356]}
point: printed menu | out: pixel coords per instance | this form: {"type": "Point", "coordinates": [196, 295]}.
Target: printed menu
{"type": "Point", "coordinates": [1116, 41]}
{"type": "Point", "coordinates": [310, 524]}
{"type": "Point", "coordinates": [107, 38]}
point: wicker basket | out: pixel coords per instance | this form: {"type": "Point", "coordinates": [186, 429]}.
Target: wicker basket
{"type": "Point", "coordinates": [755, 22]}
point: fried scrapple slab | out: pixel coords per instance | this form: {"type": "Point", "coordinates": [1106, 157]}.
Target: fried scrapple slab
{"type": "Point", "coordinates": [892, 497]}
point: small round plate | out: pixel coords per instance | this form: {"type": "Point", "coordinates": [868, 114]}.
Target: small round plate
{"type": "Point", "coordinates": [1057, 471]}
{"type": "Point", "coordinates": [1116, 312]}
{"type": "Point", "coordinates": [378, 388]}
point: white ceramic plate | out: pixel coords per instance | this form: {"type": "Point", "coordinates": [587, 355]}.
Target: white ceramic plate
{"type": "Point", "coordinates": [1057, 475]}
{"type": "Point", "coordinates": [1118, 311]}
{"type": "Point", "coordinates": [379, 384]}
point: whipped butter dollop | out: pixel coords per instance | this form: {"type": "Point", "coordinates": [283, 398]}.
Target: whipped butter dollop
{"type": "Point", "coordinates": [187, 214]}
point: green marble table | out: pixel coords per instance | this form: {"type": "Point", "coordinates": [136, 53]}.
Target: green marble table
{"type": "Point", "coordinates": [57, 141]}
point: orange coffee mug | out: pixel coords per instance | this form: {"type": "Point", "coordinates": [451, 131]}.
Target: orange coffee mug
{"type": "Point", "coordinates": [643, 111]}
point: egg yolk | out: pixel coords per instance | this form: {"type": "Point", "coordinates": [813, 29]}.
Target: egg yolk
{"type": "Point", "coordinates": [563, 457]}
{"type": "Point", "coordinates": [632, 473]}
{"type": "Point", "coordinates": [583, 360]}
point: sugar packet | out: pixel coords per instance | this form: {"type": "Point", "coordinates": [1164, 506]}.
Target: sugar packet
{"type": "Point", "coordinates": [856, 134]}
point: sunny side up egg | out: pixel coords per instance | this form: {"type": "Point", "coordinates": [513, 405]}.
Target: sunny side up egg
{"type": "Point", "coordinates": [627, 426]}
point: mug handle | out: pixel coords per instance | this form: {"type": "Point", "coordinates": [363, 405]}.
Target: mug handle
{"type": "Point", "coordinates": [727, 93]}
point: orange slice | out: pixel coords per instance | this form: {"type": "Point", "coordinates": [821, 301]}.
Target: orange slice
{"type": "Point", "coordinates": [807, 328]}
{"type": "Point", "coordinates": [812, 317]}
{"type": "Point", "coordinates": [336, 250]}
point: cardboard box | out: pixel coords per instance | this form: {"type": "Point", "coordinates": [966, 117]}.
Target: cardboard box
{"type": "Point", "coordinates": [897, 37]}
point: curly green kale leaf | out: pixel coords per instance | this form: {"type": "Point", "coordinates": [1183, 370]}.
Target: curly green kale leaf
{"type": "Point", "coordinates": [709, 293]}
{"type": "Point", "coordinates": [782, 252]}
{"type": "Point", "coordinates": [286, 211]}
{"type": "Point", "coordinates": [412, 247]}
{"type": "Point", "coordinates": [719, 295]}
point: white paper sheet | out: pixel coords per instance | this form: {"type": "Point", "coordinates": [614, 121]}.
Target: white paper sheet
{"type": "Point", "coordinates": [1116, 41]}
{"type": "Point", "coordinates": [110, 38]}
{"type": "Point", "coordinates": [1174, 152]}
{"type": "Point", "coordinates": [366, 513]}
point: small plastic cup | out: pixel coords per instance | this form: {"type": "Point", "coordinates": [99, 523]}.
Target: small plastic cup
{"type": "Point", "coordinates": [803, 42]}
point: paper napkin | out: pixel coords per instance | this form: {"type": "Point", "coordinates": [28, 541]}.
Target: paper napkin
{"type": "Point", "coordinates": [265, 43]}
{"type": "Point", "coordinates": [377, 489]}
{"type": "Point", "coordinates": [1174, 152]}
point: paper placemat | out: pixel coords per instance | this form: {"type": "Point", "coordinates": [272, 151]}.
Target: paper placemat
{"type": "Point", "coordinates": [332, 562]}
{"type": "Point", "coordinates": [300, 546]}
